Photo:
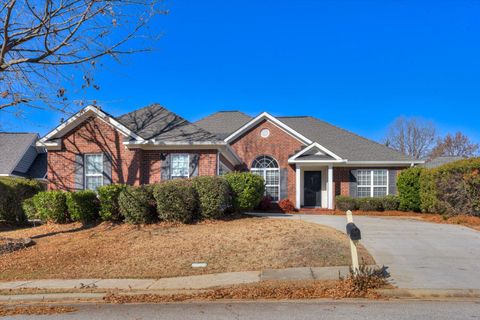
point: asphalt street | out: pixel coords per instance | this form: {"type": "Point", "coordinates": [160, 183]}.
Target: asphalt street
{"type": "Point", "coordinates": [322, 309]}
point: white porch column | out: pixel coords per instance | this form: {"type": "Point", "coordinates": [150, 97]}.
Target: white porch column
{"type": "Point", "coordinates": [297, 186]}
{"type": "Point", "coordinates": [330, 187]}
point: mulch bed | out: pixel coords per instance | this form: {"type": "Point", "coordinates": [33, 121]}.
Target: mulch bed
{"type": "Point", "coordinates": [8, 245]}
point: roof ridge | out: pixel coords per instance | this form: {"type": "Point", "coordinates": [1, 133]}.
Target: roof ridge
{"type": "Point", "coordinates": [222, 111]}
{"type": "Point", "coordinates": [142, 108]}
{"type": "Point", "coordinates": [14, 132]}
{"type": "Point", "coordinates": [357, 135]}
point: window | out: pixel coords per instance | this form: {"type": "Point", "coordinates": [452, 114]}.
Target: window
{"type": "Point", "coordinates": [223, 169]}
{"type": "Point", "coordinates": [372, 183]}
{"type": "Point", "coordinates": [180, 166]}
{"type": "Point", "coordinates": [267, 168]}
{"type": "Point", "coordinates": [93, 171]}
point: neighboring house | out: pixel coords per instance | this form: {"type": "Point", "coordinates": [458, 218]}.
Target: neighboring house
{"type": "Point", "coordinates": [440, 161]}
{"type": "Point", "coordinates": [20, 157]}
{"type": "Point", "coordinates": [301, 158]}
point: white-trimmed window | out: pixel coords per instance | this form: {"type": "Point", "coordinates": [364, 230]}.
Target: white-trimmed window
{"type": "Point", "coordinates": [372, 183]}
{"type": "Point", "coordinates": [267, 167]}
{"type": "Point", "coordinates": [93, 171]}
{"type": "Point", "coordinates": [180, 164]}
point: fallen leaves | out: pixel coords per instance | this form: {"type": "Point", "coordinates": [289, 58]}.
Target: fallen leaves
{"type": "Point", "coordinates": [274, 290]}
{"type": "Point", "coordinates": [35, 310]}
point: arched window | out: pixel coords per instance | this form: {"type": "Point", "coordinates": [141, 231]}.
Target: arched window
{"type": "Point", "coordinates": [267, 167]}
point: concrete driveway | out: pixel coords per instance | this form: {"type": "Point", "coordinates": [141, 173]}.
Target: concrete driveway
{"type": "Point", "coordinates": [419, 254]}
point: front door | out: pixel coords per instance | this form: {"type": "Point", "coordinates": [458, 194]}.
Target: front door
{"type": "Point", "coordinates": [312, 188]}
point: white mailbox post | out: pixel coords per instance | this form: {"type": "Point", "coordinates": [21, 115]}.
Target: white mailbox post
{"type": "Point", "coordinates": [354, 236]}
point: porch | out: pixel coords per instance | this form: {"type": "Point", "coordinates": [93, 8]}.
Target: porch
{"type": "Point", "coordinates": [314, 186]}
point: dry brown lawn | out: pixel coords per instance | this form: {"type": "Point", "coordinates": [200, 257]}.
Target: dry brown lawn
{"type": "Point", "coordinates": [167, 250]}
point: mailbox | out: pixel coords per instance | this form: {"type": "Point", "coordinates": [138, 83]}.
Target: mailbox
{"type": "Point", "coordinates": [353, 232]}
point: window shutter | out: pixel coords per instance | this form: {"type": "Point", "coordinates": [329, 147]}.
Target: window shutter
{"type": "Point", "coordinates": [353, 183]}
{"type": "Point", "coordinates": [165, 168]}
{"type": "Point", "coordinates": [194, 159]}
{"type": "Point", "coordinates": [392, 181]}
{"type": "Point", "coordinates": [79, 180]}
{"type": "Point", "coordinates": [107, 169]}
{"type": "Point", "coordinates": [283, 183]}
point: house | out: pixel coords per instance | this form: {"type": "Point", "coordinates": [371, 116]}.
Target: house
{"type": "Point", "coordinates": [301, 158]}
{"type": "Point", "coordinates": [440, 161]}
{"type": "Point", "coordinates": [20, 157]}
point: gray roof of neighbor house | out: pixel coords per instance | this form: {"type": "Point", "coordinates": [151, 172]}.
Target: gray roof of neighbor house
{"type": "Point", "coordinates": [343, 143]}
{"type": "Point", "coordinates": [156, 122]}
{"type": "Point", "coordinates": [223, 123]}
{"type": "Point", "coordinates": [19, 155]}
{"type": "Point", "coordinates": [440, 161]}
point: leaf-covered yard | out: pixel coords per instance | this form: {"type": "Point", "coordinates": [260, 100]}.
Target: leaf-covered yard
{"type": "Point", "coordinates": [166, 250]}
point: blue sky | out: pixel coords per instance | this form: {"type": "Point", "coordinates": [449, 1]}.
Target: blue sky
{"type": "Point", "coordinates": [357, 64]}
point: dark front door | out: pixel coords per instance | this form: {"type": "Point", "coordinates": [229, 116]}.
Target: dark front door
{"type": "Point", "coordinates": [312, 188]}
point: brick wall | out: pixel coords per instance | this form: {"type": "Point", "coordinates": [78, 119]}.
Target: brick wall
{"type": "Point", "coordinates": [129, 166]}
{"type": "Point", "coordinates": [92, 136]}
{"type": "Point", "coordinates": [279, 145]}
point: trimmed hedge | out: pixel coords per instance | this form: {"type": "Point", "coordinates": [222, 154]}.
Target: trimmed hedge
{"type": "Point", "coordinates": [408, 185]}
{"type": "Point", "coordinates": [177, 200]}
{"type": "Point", "coordinates": [345, 203]}
{"type": "Point", "coordinates": [428, 192]}
{"type": "Point", "coordinates": [82, 206]}
{"type": "Point", "coordinates": [51, 206]}
{"type": "Point", "coordinates": [214, 196]}
{"type": "Point", "coordinates": [370, 204]}
{"type": "Point", "coordinates": [247, 188]}
{"type": "Point", "coordinates": [29, 209]}
{"type": "Point", "coordinates": [453, 188]}
{"type": "Point", "coordinates": [389, 203]}
{"type": "Point", "coordinates": [137, 205]}
{"type": "Point", "coordinates": [109, 207]}
{"type": "Point", "coordinates": [13, 191]}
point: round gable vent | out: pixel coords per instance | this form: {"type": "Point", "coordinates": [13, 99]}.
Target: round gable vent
{"type": "Point", "coordinates": [265, 133]}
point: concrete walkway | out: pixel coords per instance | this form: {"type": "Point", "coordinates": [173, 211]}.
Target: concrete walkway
{"type": "Point", "coordinates": [420, 255]}
{"type": "Point", "coordinates": [179, 283]}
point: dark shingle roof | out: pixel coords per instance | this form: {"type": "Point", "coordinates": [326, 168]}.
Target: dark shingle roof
{"type": "Point", "coordinates": [343, 143]}
{"type": "Point", "coordinates": [440, 161]}
{"type": "Point", "coordinates": [12, 148]}
{"type": "Point", "coordinates": [38, 169]}
{"type": "Point", "coordinates": [156, 122]}
{"type": "Point", "coordinates": [223, 123]}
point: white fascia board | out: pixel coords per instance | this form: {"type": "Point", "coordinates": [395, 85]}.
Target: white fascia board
{"type": "Point", "coordinates": [385, 164]}
{"type": "Point", "coordinates": [314, 145]}
{"type": "Point", "coordinates": [76, 119]}
{"type": "Point", "coordinates": [313, 162]}
{"type": "Point", "coordinates": [275, 121]}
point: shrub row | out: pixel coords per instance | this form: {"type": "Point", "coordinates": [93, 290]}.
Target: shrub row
{"type": "Point", "coordinates": [451, 189]}
{"type": "Point", "coordinates": [178, 200]}
{"type": "Point", "coordinates": [367, 204]}
{"type": "Point", "coordinates": [13, 191]}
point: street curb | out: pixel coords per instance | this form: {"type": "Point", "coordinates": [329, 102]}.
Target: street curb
{"type": "Point", "coordinates": [430, 293]}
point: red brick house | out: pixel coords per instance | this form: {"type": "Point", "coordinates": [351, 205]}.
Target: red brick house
{"type": "Point", "coordinates": [301, 158]}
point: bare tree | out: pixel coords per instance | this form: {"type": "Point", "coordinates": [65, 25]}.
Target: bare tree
{"type": "Point", "coordinates": [44, 44]}
{"type": "Point", "coordinates": [455, 146]}
{"type": "Point", "coordinates": [412, 136]}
